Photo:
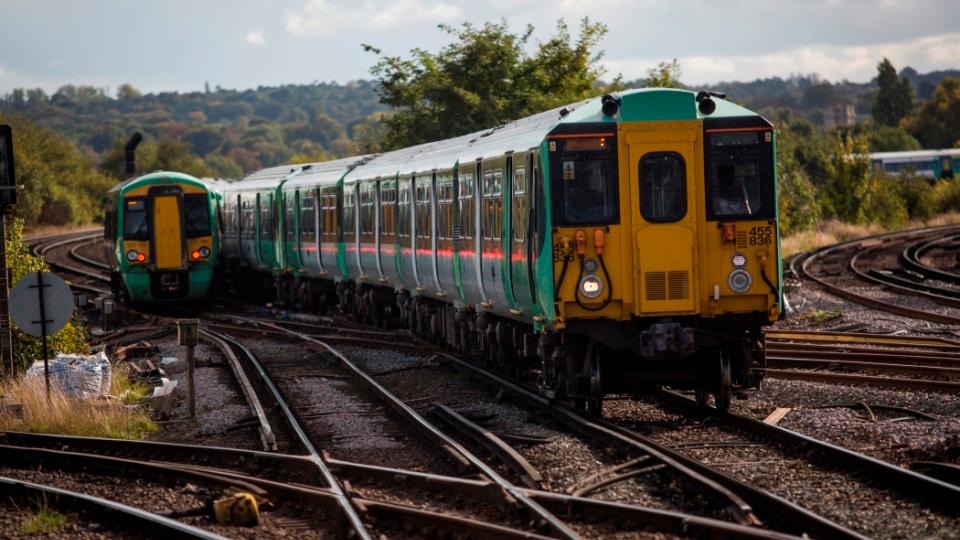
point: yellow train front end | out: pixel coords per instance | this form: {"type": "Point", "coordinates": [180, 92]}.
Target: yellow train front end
{"type": "Point", "coordinates": [669, 254]}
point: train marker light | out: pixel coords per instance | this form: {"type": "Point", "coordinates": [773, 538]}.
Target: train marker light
{"type": "Point", "coordinates": [591, 286]}
{"type": "Point", "coordinates": [739, 260]}
{"type": "Point", "coordinates": [195, 255]}
{"type": "Point", "coordinates": [729, 233]}
{"type": "Point", "coordinates": [598, 240]}
{"type": "Point", "coordinates": [739, 280]}
{"type": "Point", "coordinates": [141, 257]}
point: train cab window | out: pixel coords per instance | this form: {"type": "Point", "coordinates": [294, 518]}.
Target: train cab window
{"type": "Point", "coordinates": [739, 169]}
{"type": "Point", "coordinates": [466, 204]}
{"type": "Point", "coordinates": [197, 208]}
{"type": "Point", "coordinates": [135, 223]}
{"type": "Point", "coordinates": [663, 187]}
{"type": "Point", "coordinates": [586, 180]}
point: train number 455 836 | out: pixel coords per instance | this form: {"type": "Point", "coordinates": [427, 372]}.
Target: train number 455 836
{"type": "Point", "coordinates": [761, 236]}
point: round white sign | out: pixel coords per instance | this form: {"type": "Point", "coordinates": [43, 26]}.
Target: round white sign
{"type": "Point", "coordinates": [25, 303]}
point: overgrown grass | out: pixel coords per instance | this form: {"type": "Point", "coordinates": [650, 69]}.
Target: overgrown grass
{"type": "Point", "coordinates": [93, 417]}
{"type": "Point", "coordinates": [44, 521]}
{"type": "Point", "coordinates": [127, 390]}
{"type": "Point", "coordinates": [832, 232]}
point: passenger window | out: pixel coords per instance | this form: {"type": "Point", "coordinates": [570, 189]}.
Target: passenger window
{"type": "Point", "coordinates": [663, 187]}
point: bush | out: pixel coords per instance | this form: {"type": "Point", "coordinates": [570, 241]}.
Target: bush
{"type": "Point", "coordinates": [71, 339]}
{"type": "Point", "coordinates": [946, 195]}
{"type": "Point", "coordinates": [882, 202]}
{"type": "Point", "coordinates": [917, 195]}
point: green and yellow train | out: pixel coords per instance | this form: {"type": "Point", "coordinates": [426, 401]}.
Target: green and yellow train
{"type": "Point", "coordinates": [621, 241]}
{"type": "Point", "coordinates": [160, 234]}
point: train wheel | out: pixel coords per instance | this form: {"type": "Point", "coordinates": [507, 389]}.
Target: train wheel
{"type": "Point", "coordinates": [724, 386]}
{"type": "Point", "coordinates": [593, 402]}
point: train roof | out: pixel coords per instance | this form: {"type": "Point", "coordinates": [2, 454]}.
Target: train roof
{"type": "Point", "coordinates": [915, 155]}
{"type": "Point", "coordinates": [326, 172]}
{"type": "Point", "coordinates": [157, 175]}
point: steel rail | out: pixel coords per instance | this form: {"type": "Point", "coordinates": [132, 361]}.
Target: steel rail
{"type": "Point", "coordinates": [918, 357]}
{"type": "Point", "coordinates": [946, 297]}
{"type": "Point", "coordinates": [45, 248]}
{"type": "Point", "coordinates": [346, 506]}
{"type": "Point", "coordinates": [267, 438]}
{"type": "Point", "coordinates": [74, 253]}
{"type": "Point", "coordinates": [911, 255]}
{"type": "Point", "coordinates": [149, 523]}
{"type": "Point", "coordinates": [775, 361]}
{"type": "Point", "coordinates": [415, 419]}
{"type": "Point", "coordinates": [861, 338]}
{"type": "Point", "coordinates": [484, 437]}
{"type": "Point", "coordinates": [874, 470]}
{"type": "Point", "coordinates": [212, 459]}
{"type": "Point", "coordinates": [753, 497]}
{"type": "Point", "coordinates": [863, 243]}
{"type": "Point", "coordinates": [870, 380]}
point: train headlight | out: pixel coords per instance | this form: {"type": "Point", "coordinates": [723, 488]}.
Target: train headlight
{"type": "Point", "coordinates": [132, 255]}
{"type": "Point", "coordinates": [591, 286]}
{"type": "Point", "coordinates": [739, 280]}
{"type": "Point", "coordinates": [204, 252]}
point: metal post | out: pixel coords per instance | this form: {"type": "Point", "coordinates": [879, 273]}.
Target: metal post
{"type": "Point", "coordinates": [43, 331]}
{"type": "Point", "coordinates": [190, 386]}
{"type": "Point", "coordinates": [6, 336]}
{"type": "Point", "coordinates": [188, 334]}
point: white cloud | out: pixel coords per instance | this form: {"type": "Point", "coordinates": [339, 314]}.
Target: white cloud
{"type": "Point", "coordinates": [256, 38]}
{"type": "Point", "coordinates": [855, 63]}
{"type": "Point", "coordinates": [327, 17]}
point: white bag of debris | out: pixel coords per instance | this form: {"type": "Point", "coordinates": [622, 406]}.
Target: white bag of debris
{"type": "Point", "coordinates": [77, 375]}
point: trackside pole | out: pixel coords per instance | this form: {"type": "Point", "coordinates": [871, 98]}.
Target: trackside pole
{"type": "Point", "coordinates": [188, 334]}
{"type": "Point", "coordinates": [43, 330]}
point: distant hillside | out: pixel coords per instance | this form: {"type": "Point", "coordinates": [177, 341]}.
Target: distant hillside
{"type": "Point", "coordinates": [253, 128]}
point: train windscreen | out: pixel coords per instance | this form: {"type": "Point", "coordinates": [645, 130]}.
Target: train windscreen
{"type": "Point", "coordinates": [739, 169]}
{"type": "Point", "coordinates": [586, 178]}
{"type": "Point", "coordinates": [198, 215]}
{"type": "Point", "coordinates": [135, 223]}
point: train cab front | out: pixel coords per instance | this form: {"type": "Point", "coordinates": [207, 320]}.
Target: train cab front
{"type": "Point", "coordinates": [665, 246]}
{"type": "Point", "coordinates": [167, 241]}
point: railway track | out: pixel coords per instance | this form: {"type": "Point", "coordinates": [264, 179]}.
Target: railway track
{"type": "Point", "coordinates": [903, 362]}
{"type": "Point", "coordinates": [58, 250]}
{"type": "Point", "coordinates": [850, 257]}
{"type": "Point", "coordinates": [343, 488]}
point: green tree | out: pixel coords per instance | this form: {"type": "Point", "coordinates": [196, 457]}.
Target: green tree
{"type": "Point", "coordinates": [483, 79]}
{"type": "Point", "coordinates": [937, 122]}
{"type": "Point", "coordinates": [799, 207]}
{"type": "Point", "coordinates": [60, 186]}
{"type": "Point", "coordinates": [894, 99]}
{"type": "Point", "coordinates": [127, 91]}
{"type": "Point", "coordinates": [891, 139]}
{"type": "Point", "coordinates": [665, 75]}
{"type": "Point", "coordinates": [70, 339]}
{"type": "Point", "coordinates": [848, 174]}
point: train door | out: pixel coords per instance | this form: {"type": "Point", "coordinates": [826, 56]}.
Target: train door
{"type": "Point", "coordinates": [520, 237]}
{"type": "Point", "coordinates": [168, 235]}
{"type": "Point", "coordinates": [663, 172]}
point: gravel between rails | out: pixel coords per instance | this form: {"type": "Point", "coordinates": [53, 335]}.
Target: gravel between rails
{"type": "Point", "coordinates": [892, 437]}
{"type": "Point", "coordinates": [872, 511]}
{"type": "Point", "coordinates": [162, 498]}
{"type": "Point", "coordinates": [563, 462]}
{"type": "Point", "coordinates": [219, 404]}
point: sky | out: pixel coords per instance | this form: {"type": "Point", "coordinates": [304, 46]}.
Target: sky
{"type": "Point", "coordinates": [179, 45]}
